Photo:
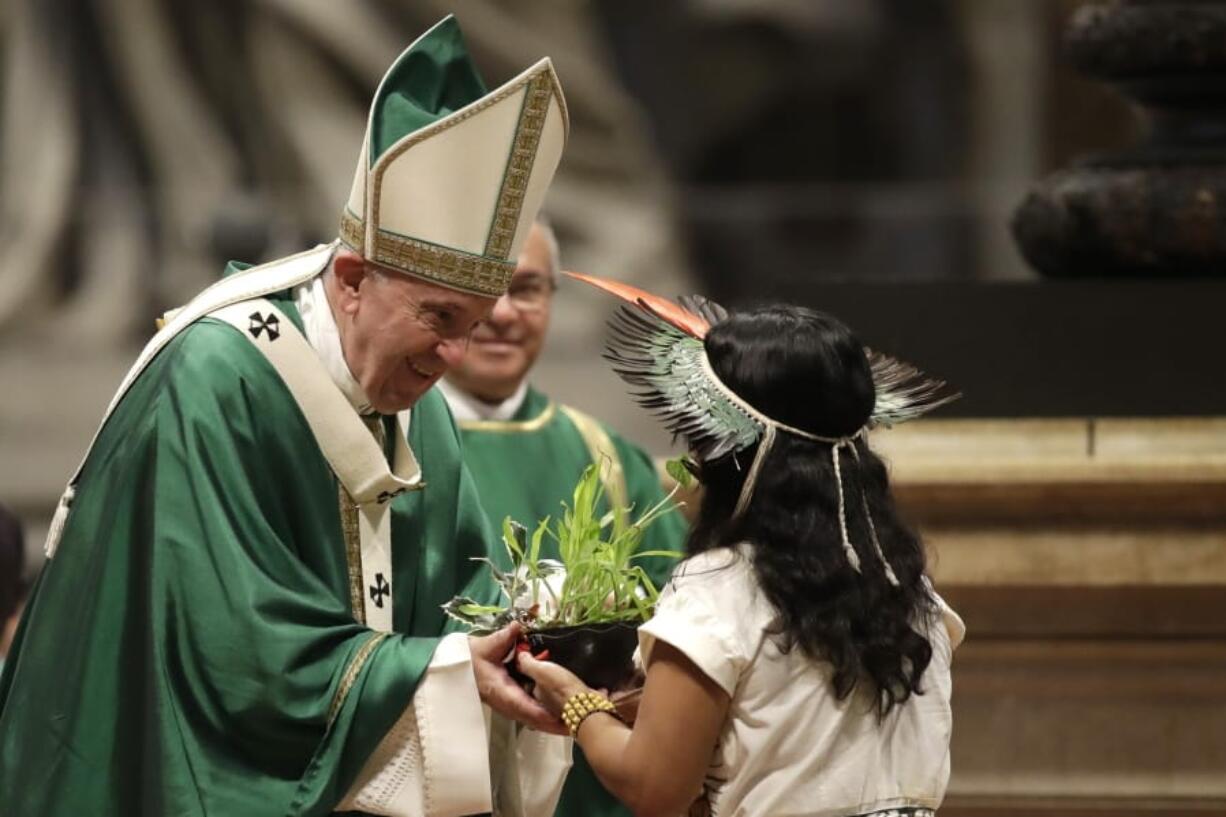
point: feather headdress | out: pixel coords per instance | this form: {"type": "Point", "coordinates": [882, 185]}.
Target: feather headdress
{"type": "Point", "coordinates": [657, 346]}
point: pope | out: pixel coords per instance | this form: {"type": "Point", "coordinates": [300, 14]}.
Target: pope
{"type": "Point", "coordinates": [240, 614]}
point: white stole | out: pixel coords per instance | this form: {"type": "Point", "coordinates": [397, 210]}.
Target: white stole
{"type": "Point", "coordinates": [353, 454]}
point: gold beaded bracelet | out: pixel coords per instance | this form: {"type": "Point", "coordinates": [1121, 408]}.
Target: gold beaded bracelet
{"type": "Point", "coordinates": [582, 704]}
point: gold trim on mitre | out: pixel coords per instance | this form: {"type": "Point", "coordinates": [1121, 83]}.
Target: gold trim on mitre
{"type": "Point", "coordinates": [443, 265]}
{"type": "Point", "coordinates": [519, 166]}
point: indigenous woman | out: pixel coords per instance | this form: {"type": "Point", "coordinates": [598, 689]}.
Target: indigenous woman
{"type": "Point", "coordinates": [799, 661]}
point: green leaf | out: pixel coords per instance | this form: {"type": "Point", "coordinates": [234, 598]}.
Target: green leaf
{"type": "Point", "coordinates": [671, 554]}
{"type": "Point", "coordinates": [534, 554]}
{"type": "Point", "coordinates": [509, 582]}
{"type": "Point", "coordinates": [679, 472]}
{"type": "Point", "coordinates": [475, 609]}
{"type": "Point", "coordinates": [480, 618]}
{"type": "Point", "coordinates": [513, 537]}
{"type": "Point", "coordinates": [598, 554]}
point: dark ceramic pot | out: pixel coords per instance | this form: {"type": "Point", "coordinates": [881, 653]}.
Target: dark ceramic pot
{"type": "Point", "coordinates": [600, 654]}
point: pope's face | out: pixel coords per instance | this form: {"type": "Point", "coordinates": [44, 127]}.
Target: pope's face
{"type": "Point", "coordinates": [400, 334]}
{"type": "Point", "coordinates": [506, 344]}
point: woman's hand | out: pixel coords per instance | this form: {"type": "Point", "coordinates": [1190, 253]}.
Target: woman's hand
{"type": "Point", "coordinates": [554, 683]}
{"type": "Point", "coordinates": [679, 719]}
{"type": "Point", "coordinates": [498, 690]}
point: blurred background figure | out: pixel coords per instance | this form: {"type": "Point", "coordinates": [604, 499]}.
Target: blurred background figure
{"type": "Point", "coordinates": [526, 451]}
{"type": "Point", "coordinates": [12, 579]}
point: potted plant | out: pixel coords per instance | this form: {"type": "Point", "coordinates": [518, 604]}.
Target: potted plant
{"type": "Point", "coordinates": [583, 611]}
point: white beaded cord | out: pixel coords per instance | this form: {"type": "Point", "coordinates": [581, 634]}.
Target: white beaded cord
{"type": "Point", "coordinates": [890, 576]}
{"type": "Point", "coordinates": [770, 427]}
{"type": "Point", "coordinates": [751, 479]}
{"type": "Point", "coordinates": [852, 556]}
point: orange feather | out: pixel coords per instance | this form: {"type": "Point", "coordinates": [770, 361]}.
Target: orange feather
{"type": "Point", "coordinates": [662, 308]}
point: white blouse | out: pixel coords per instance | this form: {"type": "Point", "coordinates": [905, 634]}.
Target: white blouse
{"type": "Point", "coordinates": [788, 746]}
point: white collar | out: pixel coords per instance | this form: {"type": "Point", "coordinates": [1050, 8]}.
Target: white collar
{"type": "Point", "coordinates": [321, 332]}
{"type": "Point", "coordinates": [466, 407]}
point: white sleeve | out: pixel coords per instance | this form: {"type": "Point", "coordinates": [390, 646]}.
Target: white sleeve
{"type": "Point", "coordinates": [529, 768]}
{"type": "Point", "coordinates": [688, 620]}
{"type": "Point", "coordinates": [544, 761]}
{"type": "Point", "coordinates": [954, 625]}
{"type": "Point", "coordinates": [433, 762]}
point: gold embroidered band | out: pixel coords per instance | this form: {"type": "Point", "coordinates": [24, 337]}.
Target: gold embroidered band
{"type": "Point", "coordinates": [351, 673]}
{"type": "Point", "coordinates": [352, 535]}
{"type": "Point", "coordinates": [447, 267]}
{"type": "Point", "coordinates": [511, 426]}
{"type": "Point", "coordinates": [519, 167]}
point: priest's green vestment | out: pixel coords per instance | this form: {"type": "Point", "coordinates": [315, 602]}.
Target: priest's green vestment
{"type": "Point", "coordinates": [191, 648]}
{"type": "Point", "coordinates": [524, 468]}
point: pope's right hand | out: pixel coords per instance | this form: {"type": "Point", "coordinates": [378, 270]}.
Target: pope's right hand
{"type": "Point", "coordinates": [498, 689]}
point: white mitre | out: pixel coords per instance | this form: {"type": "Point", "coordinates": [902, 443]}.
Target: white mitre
{"type": "Point", "coordinates": [451, 176]}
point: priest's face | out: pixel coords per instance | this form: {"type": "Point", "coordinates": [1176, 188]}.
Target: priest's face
{"type": "Point", "coordinates": [399, 334]}
{"type": "Point", "coordinates": [506, 344]}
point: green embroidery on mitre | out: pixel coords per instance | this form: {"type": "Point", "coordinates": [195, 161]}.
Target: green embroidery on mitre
{"type": "Point", "coordinates": [451, 174]}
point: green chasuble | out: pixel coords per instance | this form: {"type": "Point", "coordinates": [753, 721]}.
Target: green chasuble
{"type": "Point", "coordinates": [190, 649]}
{"type": "Point", "coordinates": [524, 468]}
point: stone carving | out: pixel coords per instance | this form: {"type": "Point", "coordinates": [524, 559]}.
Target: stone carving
{"type": "Point", "coordinates": [1155, 209]}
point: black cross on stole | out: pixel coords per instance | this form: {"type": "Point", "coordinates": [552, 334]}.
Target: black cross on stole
{"type": "Point", "coordinates": [380, 589]}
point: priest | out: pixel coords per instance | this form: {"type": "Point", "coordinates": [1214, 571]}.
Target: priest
{"type": "Point", "coordinates": [240, 614]}
{"type": "Point", "coordinates": [526, 450]}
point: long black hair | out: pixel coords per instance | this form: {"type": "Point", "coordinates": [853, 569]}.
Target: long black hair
{"type": "Point", "coordinates": [806, 369]}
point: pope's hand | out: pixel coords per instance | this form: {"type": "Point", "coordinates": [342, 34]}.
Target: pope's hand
{"type": "Point", "coordinates": [498, 689]}
{"type": "Point", "coordinates": [554, 683]}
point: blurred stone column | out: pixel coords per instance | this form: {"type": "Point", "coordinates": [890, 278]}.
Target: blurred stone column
{"type": "Point", "coordinates": [1009, 59]}
{"type": "Point", "coordinates": [1155, 209]}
